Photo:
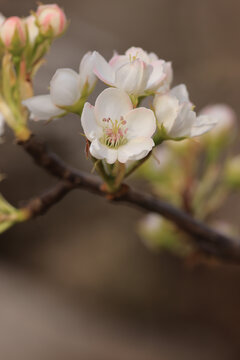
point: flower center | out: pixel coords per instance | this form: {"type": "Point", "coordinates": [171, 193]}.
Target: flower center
{"type": "Point", "coordinates": [114, 133]}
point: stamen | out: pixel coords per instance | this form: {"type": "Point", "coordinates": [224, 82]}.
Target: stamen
{"type": "Point", "coordinates": [114, 132]}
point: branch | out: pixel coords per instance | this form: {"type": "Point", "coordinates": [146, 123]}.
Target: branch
{"type": "Point", "coordinates": [206, 239]}
{"type": "Point", "coordinates": [40, 204]}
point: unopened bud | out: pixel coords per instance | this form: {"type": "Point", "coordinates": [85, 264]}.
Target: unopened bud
{"type": "Point", "coordinates": [12, 33]}
{"type": "Point", "coordinates": [51, 18]}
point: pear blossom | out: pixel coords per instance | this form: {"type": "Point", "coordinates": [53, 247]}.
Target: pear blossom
{"type": "Point", "coordinates": [13, 28]}
{"type": "Point", "coordinates": [32, 28]}
{"type": "Point", "coordinates": [224, 116]}
{"type": "Point", "coordinates": [51, 18]}
{"type": "Point", "coordinates": [137, 72]}
{"type": "Point", "coordinates": [116, 130]}
{"type": "Point", "coordinates": [175, 115]}
{"type": "Point", "coordinates": [67, 89]}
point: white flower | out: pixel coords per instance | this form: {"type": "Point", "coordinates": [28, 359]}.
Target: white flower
{"type": "Point", "coordinates": [67, 88]}
{"type": "Point", "coordinates": [136, 72]}
{"type": "Point", "coordinates": [116, 130]}
{"type": "Point", "coordinates": [174, 112]}
{"type": "Point", "coordinates": [223, 114]}
{"type": "Point", "coordinates": [1, 124]}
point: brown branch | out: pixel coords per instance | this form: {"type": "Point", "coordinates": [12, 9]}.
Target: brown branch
{"type": "Point", "coordinates": [206, 239]}
{"type": "Point", "coordinates": [40, 204]}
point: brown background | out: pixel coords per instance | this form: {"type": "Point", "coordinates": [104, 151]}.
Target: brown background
{"type": "Point", "coordinates": [78, 283]}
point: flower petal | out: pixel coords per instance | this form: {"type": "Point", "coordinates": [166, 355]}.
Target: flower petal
{"type": "Point", "coordinates": [103, 70]}
{"type": "Point", "coordinates": [100, 151]}
{"type": "Point", "coordinates": [202, 124]}
{"type": "Point", "coordinates": [140, 122]}
{"type": "Point", "coordinates": [157, 76]}
{"type": "Point", "coordinates": [133, 77]}
{"type": "Point", "coordinates": [184, 122]}
{"type": "Point", "coordinates": [86, 73]}
{"type": "Point", "coordinates": [64, 87]}
{"type": "Point", "coordinates": [112, 103]}
{"type": "Point", "coordinates": [42, 107]}
{"type": "Point", "coordinates": [90, 127]}
{"type": "Point", "coordinates": [166, 109]}
{"type": "Point", "coordinates": [117, 61]}
{"type": "Point", "coordinates": [135, 149]}
{"type": "Point", "coordinates": [181, 93]}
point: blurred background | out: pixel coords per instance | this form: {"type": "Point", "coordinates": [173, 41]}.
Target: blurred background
{"type": "Point", "coordinates": [78, 283]}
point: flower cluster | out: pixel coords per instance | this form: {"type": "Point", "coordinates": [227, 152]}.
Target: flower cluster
{"type": "Point", "coordinates": [117, 128]}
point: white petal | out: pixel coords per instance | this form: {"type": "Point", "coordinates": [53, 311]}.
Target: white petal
{"type": "Point", "coordinates": [157, 76]}
{"type": "Point", "coordinates": [103, 70]}
{"type": "Point", "coordinates": [112, 103]}
{"type": "Point", "coordinates": [153, 57]}
{"type": "Point", "coordinates": [202, 124]}
{"type": "Point", "coordinates": [140, 122]}
{"type": "Point", "coordinates": [64, 87]}
{"type": "Point", "coordinates": [100, 151]}
{"type": "Point", "coordinates": [135, 149]}
{"type": "Point", "coordinates": [133, 77]}
{"type": "Point", "coordinates": [1, 124]}
{"type": "Point", "coordinates": [86, 70]}
{"type": "Point", "coordinates": [168, 71]}
{"type": "Point", "coordinates": [90, 127]}
{"type": "Point", "coordinates": [42, 107]}
{"type": "Point", "coordinates": [2, 19]}
{"type": "Point", "coordinates": [166, 108]}
{"type": "Point", "coordinates": [183, 124]}
{"type": "Point", "coordinates": [181, 93]}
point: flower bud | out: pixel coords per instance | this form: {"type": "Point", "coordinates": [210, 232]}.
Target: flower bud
{"type": "Point", "coordinates": [12, 32]}
{"type": "Point", "coordinates": [51, 18]}
{"type": "Point", "coordinates": [32, 28]}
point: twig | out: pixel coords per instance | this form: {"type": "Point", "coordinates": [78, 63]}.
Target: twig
{"type": "Point", "coordinates": [206, 239]}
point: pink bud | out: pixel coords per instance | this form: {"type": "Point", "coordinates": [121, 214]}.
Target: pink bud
{"type": "Point", "coordinates": [51, 17]}
{"type": "Point", "coordinates": [11, 27]}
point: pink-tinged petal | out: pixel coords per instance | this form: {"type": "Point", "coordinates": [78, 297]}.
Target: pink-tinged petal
{"type": "Point", "coordinates": [100, 151]}
{"type": "Point", "coordinates": [202, 124]}
{"type": "Point", "coordinates": [157, 76]}
{"type": "Point", "coordinates": [103, 70]}
{"type": "Point", "coordinates": [181, 93]}
{"type": "Point", "coordinates": [42, 107]}
{"type": "Point", "coordinates": [140, 122]}
{"type": "Point", "coordinates": [90, 127]}
{"type": "Point", "coordinates": [133, 77]}
{"type": "Point", "coordinates": [166, 109]}
{"type": "Point", "coordinates": [117, 61]}
{"type": "Point", "coordinates": [112, 103]}
{"type": "Point", "coordinates": [64, 87]}
{"type": "Point", "coordinates": [135, 149]}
